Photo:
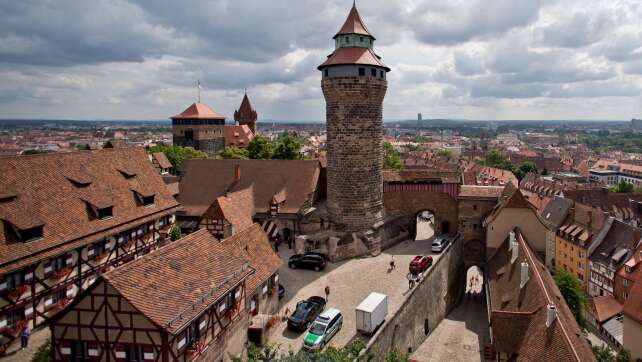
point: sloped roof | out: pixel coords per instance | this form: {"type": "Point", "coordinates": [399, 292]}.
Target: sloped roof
{"type": "Point", "coordinates": [354, 25]}
{"type": "Point", "coordinates": [472, 191]}
{"type": "Point", "coordinates": [45, 194]}
{"type": "Point", "coordinates": [556, 212]}
{"type": "Point", "coordinates": [238, 135]}
{"type": "Point", "coordinates": [604, 307]}
{"type": "Point", "coordinates": [518, 315]}
{"type": "Point", "coordinates": [245, 111]}
{"type": "Point", "coordinates": [633, 305]}
{"type": "Point", "coordinates": [237, 208]}
{"type": "Point", "coordinates": [347, 56]}
{"type": "Point", "coordinates": [198, 111]}
{"type": "Point", "coordinates": [175, 283]}
{"type": "Point", "coordinates": [203, 180]}
{"type": "Point", "coordinates": [254, 246]}
{"type": "Point", "coordinates": [162, 160]}
{"type": "Point", "coordinates": [391, 175]}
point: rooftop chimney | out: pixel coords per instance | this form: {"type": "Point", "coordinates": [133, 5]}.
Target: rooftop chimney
{"type": "Point", "coordinates": [237, 173]}
{"type": "Point", "coordinates": [514, 248]}
{"type": "Point", "coordinates": [524, 275]}
{"type": "Point", "coordinates": [551, 314]}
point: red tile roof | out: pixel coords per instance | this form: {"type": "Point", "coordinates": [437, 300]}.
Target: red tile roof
{"type": "Point", "coordinates": [176, 283]}
{"type": "Point", "coordinates": [237, 208]}
{"type": "Point", "coordinates": [254, 246]}
{"type": "Point", "coordinates": [492, 192]}
{"type": "Point", "coordinates": [162, 160]}
{"type": "Point", "coordinates": [45, 195]}
{"type": "Point", "coordinates": [202, 181]}
{"type": "Point", "coordinates": [354, 25]}
{"type": "Point", "coordinates": [604, 307]}
{"type": "Point", "coordinates": [519, 314]}
{"type": "Point", "coordinates": [238, 135]}
{"type": "Point", "coordinates": [245, 111]}
{"type": "Point", "coordinates": [198, 111]}
{"type": "Point", "coordinates": [346, 56]}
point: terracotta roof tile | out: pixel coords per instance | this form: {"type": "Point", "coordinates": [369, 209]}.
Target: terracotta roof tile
{"type": "Point", "coordinates": [362, 56]}
{"type": "Point", "coordinates": [162, 160]}
{"type": "Point", "coordinates": [354, 24]}
{"type": "Point", "coordinates": [202, 181]}
{"type": "Point", "coordinates": [173, 284]}
{"type": "Point", "coordinates": [238, 135]}
{"type": "Point", "coordinates": [237, 208]}
{"type": "Point", "coordinates": [198, 111]}
{"type": "Point", "coordinates": [604, 307]}
{"type": "Point", "coordinates": [45, 195]}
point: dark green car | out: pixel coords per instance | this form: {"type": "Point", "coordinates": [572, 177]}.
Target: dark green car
{"type": "Point", "coordinates": [323, 329]}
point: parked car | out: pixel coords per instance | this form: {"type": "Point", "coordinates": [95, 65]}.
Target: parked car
{"type": "Point", "coordinates": [281, 291]}
{"type": "Point", "coordinates": [314, 261]}
{"type": "Point", "coordinates": [420, 264]}
{"type": "Point", "coordinates": [324, 328]}
{"type": "Point", "coordinates": [439, 244]}
{"type": "Point", "coordinates": [371, 313]}
{"type": "Point", "coordinates": [305, 313]}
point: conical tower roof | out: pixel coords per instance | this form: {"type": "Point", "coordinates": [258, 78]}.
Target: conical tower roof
{"type": "Point", "coordinates": [246, 107]}
{"type": "Point", "coordinates": [354, 24]}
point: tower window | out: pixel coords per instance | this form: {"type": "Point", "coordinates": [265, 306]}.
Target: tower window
{"type": "Point", "coordinates": [326, 72]}
{"type": "Point", "coordinates": [362, 72]}
{"type": "Point", "coordinates": [381, 73]}
{"type": "Point", "coordinates": [347, 39]}
{"type": "Point", "coordinates": [373, 72]}
{"type": "Point", "coordinates": [361, 39]}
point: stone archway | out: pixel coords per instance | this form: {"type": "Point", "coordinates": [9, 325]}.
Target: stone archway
{"type": "Point", "coordinates": [474, 252]}
{"type": "Point", "coordinates": [425, 227]}
{"type": "Point", "coordinates": [409, 204]}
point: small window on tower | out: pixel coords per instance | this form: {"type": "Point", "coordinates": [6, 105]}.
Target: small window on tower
{"type": "Point", "coordinates": [361, 39]}
{"type": "Point", "coordinates": [326, 72]}
{"type": "Point", "coordinates": [373, 72]}
{"type": "Point", "coordinates": [347, 39]}
{"type": "Point", "coordinates": [381, 73]}
{"type": "Point", "coordinates": [362, 72]}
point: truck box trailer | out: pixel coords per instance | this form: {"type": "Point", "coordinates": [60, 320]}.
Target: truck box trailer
{"type": "Point", "coordinates": [371, 313]}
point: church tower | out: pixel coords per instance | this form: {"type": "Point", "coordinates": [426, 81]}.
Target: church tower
{"type": "Point", "coordinates": [246, 115]}
{"type": "Point", "coordinates": [354, 86]}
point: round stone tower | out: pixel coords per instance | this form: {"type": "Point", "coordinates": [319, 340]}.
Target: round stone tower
{"type": "Point", "coordinates": [354, 85]}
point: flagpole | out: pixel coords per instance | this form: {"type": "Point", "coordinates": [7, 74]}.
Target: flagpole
{"type": "Point", "coordinates": [198, 87]}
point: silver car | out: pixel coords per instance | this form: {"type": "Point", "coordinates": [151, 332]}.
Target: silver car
{"type": "Point", "coordinates": [439, 244]}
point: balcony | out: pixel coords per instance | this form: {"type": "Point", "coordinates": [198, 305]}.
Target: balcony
{"type": "Point", "coordinates": [15, 293]}
{"type": "Point", "coordinates": [60, 274]}
{"type": "Point", "coordinates": [15, 329]}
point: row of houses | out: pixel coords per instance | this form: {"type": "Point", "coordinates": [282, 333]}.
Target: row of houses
{"type": "Point", "coordinates": [601, 248]}
{"type": "Point", "coordinates": [86, 250]}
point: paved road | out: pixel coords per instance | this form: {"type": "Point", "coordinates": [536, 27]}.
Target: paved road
{"type": "Point", "coordinates": [15, 354]}
{"type": "Point", "coordinates": [461, 335]}
{"type": "Point", "coordinates": [350, 282]}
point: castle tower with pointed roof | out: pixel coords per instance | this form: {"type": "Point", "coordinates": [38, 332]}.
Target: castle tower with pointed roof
{"type": "Point", "coordinates": [354, 85]}
{"type": "Point", "coordinates": [199, 127]}
{"type": "Point", "coordinates": [246, 115]}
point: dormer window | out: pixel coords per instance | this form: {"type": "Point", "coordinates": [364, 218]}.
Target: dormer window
{"type": "Point", "coordinates": [127, 172]}
{"type": "Point", "coordinates": [105, 213]}
{"type": "Point", "coordinates": [144, 197]}
{"type": "Point", "coordinates": [30, 234]}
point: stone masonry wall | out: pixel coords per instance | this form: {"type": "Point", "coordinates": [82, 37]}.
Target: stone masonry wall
{"type": "Point", "coordinates": [430, 301]}
{"type": "Point", "coordinates": [354, 111]}
{"type": "Point", "coordinates": [409, 203]}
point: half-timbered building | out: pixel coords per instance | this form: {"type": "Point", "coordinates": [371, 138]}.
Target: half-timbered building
{"type": "Point", "coordinates": [183, 302]}
{"type": "Point", "coordinates": [281, 192]}
{"type": "Point", "coordinates": [65, 219]}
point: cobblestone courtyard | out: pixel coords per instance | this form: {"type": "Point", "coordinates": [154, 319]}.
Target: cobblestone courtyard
{"type": "Point", "coordinates": [350, 282]}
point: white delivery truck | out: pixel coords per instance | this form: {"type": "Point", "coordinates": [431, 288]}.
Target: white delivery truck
{"type": "Point", "coordinates": [371, 313]}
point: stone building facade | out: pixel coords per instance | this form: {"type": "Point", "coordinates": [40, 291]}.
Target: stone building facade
{"type": "Point", "coordinates": [199, 127]}
{"type": "Point", "coordinates": [354, 86]}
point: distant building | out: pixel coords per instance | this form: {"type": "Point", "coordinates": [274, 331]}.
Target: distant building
{"type": "Point", "coordinates": [199, 127]}
{"type": "Point", "coordinates": [246, 115]}
{"type": "Point", "coordinates": [419, 117]}
{"type": "Point", "coordinates": [636, 124]}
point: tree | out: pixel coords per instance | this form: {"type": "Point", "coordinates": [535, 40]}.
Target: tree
{"type": "Point", "coordinates": [176, 155]}
{"type": "Point", "coordinates": [287, 148]}
{"type": "Point", "coordinates": [391, 157]}
{"type": "Point", "coordinates": [233, 153]}
{"type": "Point", "coordinates": [412, 147]}
{"type": "Point", "coordinates": [524, 169]}
{"type": "Point", "coordinates": [349, 353]}
{"type": "Point", "coordinates": [34, 152]}
{"type": "Point", "coordinates": [606, 354]}
{"type": "Point", "coordinates": [445, 153]}
{"type": "Point", "coordinates": [43, 353]}
{"type": "Point", "coordinates": [622, 187]}
{"type": "Point", "coordinates": [496, 159]}
{"type": "Point", "coordinates": [544, 172]}
{"type": "Point", "coordinates": [175, 233]}
{"type": "Point", "coordinates": [573, 293]}
{"type": "Point", "coordinates": [260, 148]}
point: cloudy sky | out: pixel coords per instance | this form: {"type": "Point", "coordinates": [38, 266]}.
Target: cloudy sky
{"type": "Point", "coordinates": [476, 59]}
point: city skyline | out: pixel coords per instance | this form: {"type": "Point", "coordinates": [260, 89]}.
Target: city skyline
{"type": "Point", "coordinates": [468, 60]}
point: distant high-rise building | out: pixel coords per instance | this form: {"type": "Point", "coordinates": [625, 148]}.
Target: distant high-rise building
{"type": "Point", "coordinates": [419, 116]}
{"type": "Point", "coordinates": [246, 115]}
{"type": "Point", "coordinates": [354, 85]}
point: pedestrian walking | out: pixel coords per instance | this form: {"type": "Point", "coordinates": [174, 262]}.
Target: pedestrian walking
{"type": "Point", "coordinates": [392, 263]}
{"type": "Point", "coordinates": [24, 337]}
{"type": "Point", "coordinates": [327, 292]}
